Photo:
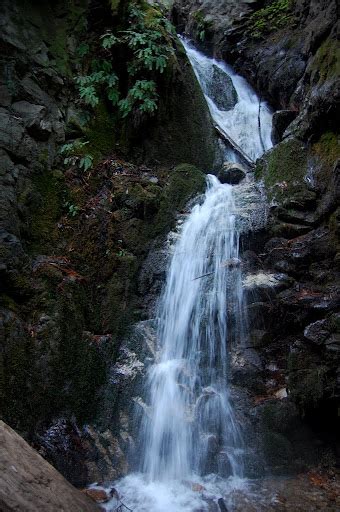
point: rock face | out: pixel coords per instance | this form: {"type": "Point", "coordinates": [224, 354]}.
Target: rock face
{"type": "Point", "coordinates": [28, 482]}
{"type": "Point", "coordinates": [221, 89]}
{"type": "Point", "coordinates": [65, 307]}
{"type": "Point", "coordinates": [281, 120]}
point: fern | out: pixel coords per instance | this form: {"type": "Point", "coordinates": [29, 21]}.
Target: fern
{"type": "Point", "coordinates": [109, 40]}
{"type": "Point", "coordinates": [143, 95]}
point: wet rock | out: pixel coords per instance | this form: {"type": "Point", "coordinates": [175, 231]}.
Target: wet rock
{"type": "Point", "coordinates": [97, 495]}
{"type": "Point", "coordinates": [231, 173]}
{"type": "Point", "coordinates": [262, 286]}
{"type": "Point", "coordinates": [333, 343]}
{"type": "Point", "coordinates": [294, 216]}
{"type": "Point", "coordinates": [221, 89]}
{"type": "Point", "coordinates": [259, 338]}
{"type": "Point", "coordinates": [281, 119]}
{"type": "Point", "coordinates": [316, 332]}
{"type": "Point", "coordinates": [28, 111]}
{"type": "Point", "coordinates": [5, 96]}
{"type": "Point", "coordinates": [13, 137]}
{"type": "Point", "coordinates": [303, 200]}
{"type": "Point", "coordinates": [288, 230]}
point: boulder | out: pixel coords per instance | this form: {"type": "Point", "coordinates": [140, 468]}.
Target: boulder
{"type": "Point", "coordinates": [316, 332]}
{"type": "Point", "coordinates": [28, 482]}
{"type": "Point", "coordinates": [232, 173]}
{"type": "Point", "coordinates": [281, 120]}
{"type": "Point", "coordinates": [221, 89]}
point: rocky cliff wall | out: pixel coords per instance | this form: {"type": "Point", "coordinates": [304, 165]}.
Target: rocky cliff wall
{"type": "Point", "coordinates": [72, 242]}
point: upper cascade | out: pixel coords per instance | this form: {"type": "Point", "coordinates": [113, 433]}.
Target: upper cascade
{"type": "Point", "coordinates": [234, 106]}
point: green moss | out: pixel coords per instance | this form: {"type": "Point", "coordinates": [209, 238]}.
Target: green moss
{"type": "Point", "coordinates": [118, 307]}
{"type": "Point", "coordinates": [46, 210]}
{"type": "Point", "coordinates": [78, 368]}
{"type": "Point", "coordinates": [328, 148]}
{"type": "Point", "coordinates": [326, 62]}
{"type": "Point", "coordinates": [101, 133]}
{"type": "Point", "coordinates": [7, 302]}
{"type": "Point", "coordinates": [114, 6]}
{"type": "Point", "coordinates": [283, 169]}
{"type": "Point", "coordinates": [185, 181]}
{"type": "Point", "coordinates": [306, 381]}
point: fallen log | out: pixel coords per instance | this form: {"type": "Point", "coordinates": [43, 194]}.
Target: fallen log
{"type": "Point", "coordinates": [223, 134]}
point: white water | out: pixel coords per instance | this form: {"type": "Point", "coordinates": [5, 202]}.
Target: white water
{"type": "Point", "coordinates": [242, 122]}
{"type": "Point", "coordinates": [190, 410]}
{"type": "Point", "coordinates": [191, 442]}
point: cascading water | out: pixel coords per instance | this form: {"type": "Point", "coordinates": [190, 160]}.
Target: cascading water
{"type": "Point", "coordinates": [248, 121]}
{"type": "Point", "coordinates": [191, 419]}
{"type": "Point", "coordinates": [189, 437]}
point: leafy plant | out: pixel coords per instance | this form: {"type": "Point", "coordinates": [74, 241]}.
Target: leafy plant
{"type": "Point", "coordinates": [148, 44]}
{"type": "Point", "coordinates": [273, 17]}
{"type": "Point", "coordinates": [202, 25]}
{"type": "Point", "coordinates": [83, 49]}
{"type": "Point", "coordinates": [102, 75]}
{"type": "Point", "coordinates": [86, 162]}
{"type": "Point", "coordinates": [143, 94]}
{"type": "Point", "coordinates": [72, 209]}
{"type": "Point", "coordinates": [72, 151]}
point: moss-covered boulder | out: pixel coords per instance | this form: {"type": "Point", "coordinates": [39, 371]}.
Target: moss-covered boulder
{"type": "Point", "coordinates": [283, 170]}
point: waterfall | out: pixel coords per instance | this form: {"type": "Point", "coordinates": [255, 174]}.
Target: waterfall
{"type": "Point", "coordinates": [191, 448]}
{"type": "Point", "coordinates": [191, 420]}
{"type": "Point", "coordinates": [243, 116]}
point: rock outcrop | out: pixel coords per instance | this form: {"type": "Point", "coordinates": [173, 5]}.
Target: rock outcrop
{"type": "Point", "coordinates": [72, 242]}
{"type": "Point", "coordinates": [30, 484]}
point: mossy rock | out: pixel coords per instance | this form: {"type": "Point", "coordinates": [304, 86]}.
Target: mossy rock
{"type": "Point", "coordinates": [326, 63]}
{"type": "Point", "coordinates": [48, 194]}
{"type": "Point", "coordinates": [306, 381]}
{"type": "Point", "coordinates": [327, 148]}
{"type": "Point", "coordinates": [185, 182]}
{"type": "Point", "coordinates": [101, 133]}
{"type": "Point", "coordinates": [283, 170]}
{"type": "Point", "coordinates": [182, 129]}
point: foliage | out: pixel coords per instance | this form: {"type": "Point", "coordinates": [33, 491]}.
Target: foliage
{"type": "Point", "coordinates": [102, 75]}
{"type": "Point", "coordinates": [143, 94]}
{"type": "Point", "coordinates": [202, 26]}
{"type": "Point", "coordinates": [148, 46]}
{"type": "Point", "coordinates": [72, 209]}
{"type": "Point", "coordinates": [273, 17]}
{"type": "Point", "coordinates": [73, 153]}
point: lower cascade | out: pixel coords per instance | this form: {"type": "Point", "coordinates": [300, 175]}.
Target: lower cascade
{"type": "Point", "coordinates": [190, 445]}
{"type": "Point", "coordinates": [190, 410]}
{"type": "Point", "coordinates": [189, 432]}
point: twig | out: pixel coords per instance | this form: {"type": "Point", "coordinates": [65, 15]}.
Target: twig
{"type": "Point", "coordinates": [259, 123]}
{"type": "Point", "coordinates": [119, 508]}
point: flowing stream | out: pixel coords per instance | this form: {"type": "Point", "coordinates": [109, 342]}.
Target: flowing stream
{"type": "Point", "coordinates": [191, 440]}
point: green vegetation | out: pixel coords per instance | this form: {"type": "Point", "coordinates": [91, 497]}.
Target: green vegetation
{"type": "Point", "coordinates": [202, 25]}
{"type": "Point", "coordinates": [283, 169]}
{"type": "Point", "coordinates": [328, 148]}
{"type": "Point", "coordinates": [326, 62]}
{"type": "Point", "coordinates": [72, 152]}
{"type": "Point", "coordinates": [275, 16]}
{"type": "Point", "coordinates": [146, 46]}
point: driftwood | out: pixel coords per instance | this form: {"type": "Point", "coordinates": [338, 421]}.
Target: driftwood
{"type": "Point", "coordinates": [235, 146]}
